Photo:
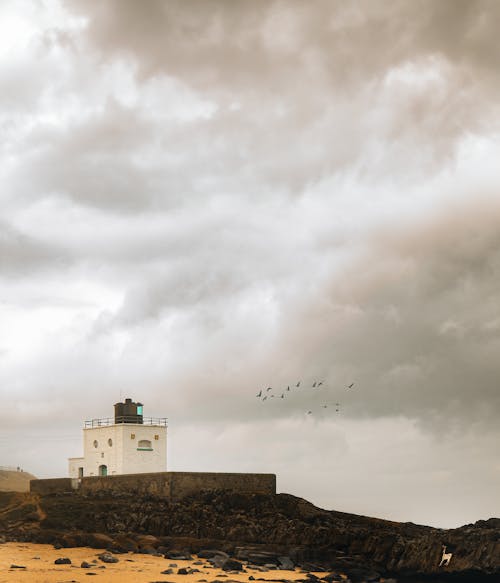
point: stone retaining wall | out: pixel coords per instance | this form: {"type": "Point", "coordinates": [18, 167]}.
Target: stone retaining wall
{"type": "Point", "coordinates": [171, 485]}
{"type": "Point", "coordinates": [51, 486]}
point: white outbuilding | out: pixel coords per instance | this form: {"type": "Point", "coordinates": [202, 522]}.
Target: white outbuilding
{"type": "Point", "coordinates": [128, 443]}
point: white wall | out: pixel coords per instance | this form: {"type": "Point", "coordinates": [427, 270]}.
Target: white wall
{"type": "Point", "coordinates": [122, 454]}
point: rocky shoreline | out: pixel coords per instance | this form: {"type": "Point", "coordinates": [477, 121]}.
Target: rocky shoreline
{"type": "Point", "coordinates": [258, 530]}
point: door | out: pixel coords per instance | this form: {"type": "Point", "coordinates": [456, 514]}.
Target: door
{"type": "Point", "coordinates": [103, 470]}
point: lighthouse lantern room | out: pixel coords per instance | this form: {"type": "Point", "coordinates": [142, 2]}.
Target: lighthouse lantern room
{"type": "Point", "coordinates": [128, 443]}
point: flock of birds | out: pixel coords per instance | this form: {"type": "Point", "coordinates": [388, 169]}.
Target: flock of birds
{"type": "Point", "coordinates": [265, 394]}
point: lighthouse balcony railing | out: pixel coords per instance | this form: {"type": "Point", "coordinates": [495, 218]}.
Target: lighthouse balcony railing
{"type": "Point", "coordinates": [106, 421]}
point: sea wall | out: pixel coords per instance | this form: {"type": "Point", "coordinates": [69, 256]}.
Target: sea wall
{"type": "Point", "coordinates": [51, 486]}
{"type": "Point", "coordinates": [171, 485]}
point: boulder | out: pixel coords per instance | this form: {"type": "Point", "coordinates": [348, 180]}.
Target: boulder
{"type": "Point", "coordinates": [210, 553]}
{"type": "Point", "coordinates": [108, 558]}
{"type": "Point", "coordinates": [62, 561]}
{"type": "Point", "coordinates": [231, 565]}
{"type": "Point", "coordinates": [286, 563]}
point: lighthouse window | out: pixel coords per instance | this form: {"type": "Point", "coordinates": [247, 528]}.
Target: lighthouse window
{"type": "Point", "coordinates": [139, 410]}
{"type": "Point", "coordinates": [144, 445]}
{"type": "Point", "coordinates": [110, 442]}
{"type": "Point", "coordinates": [96, 443]}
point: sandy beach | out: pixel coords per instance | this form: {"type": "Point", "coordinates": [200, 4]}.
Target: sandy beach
{"type": "Point", "coordinates": [38, 562]}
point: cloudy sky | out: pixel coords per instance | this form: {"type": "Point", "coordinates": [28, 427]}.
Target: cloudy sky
{"type": "Point", "coordinates": [201, 199]}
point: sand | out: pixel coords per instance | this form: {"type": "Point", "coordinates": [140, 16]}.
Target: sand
{"type": "Point", "coordinates": [131, 568]}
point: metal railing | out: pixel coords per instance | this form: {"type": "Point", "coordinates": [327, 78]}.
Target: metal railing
{"type": "Point", "coordinates": [124, 420]}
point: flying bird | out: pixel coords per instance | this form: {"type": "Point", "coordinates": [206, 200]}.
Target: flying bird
{"type": "Point", "coordinates": [283, 396]}
{"type": "Point", "coordinates": [259, 393]}
{"type": "Point", "coordinates": [264, 398]}
{"type": "Point", "coordinates": [324, 406]}
{"type": "Point", "coordinates": [269, 389]}
{"type": "Point", "coordinates": [314, 384]}
{"type": "Point", "coordinates": [298, 384]}
{"type": "Point", "coordinates": [288, 388]}
{"type": "Point", "coordinates": [309, 412]}
{"type": "Point", "coordinates": [351, 386]}
{"type": "Point", "coordinates": [320, 383]}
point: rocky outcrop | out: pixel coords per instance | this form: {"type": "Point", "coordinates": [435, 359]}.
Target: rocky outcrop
{"type": "Point", "coordinates": [257, 527]}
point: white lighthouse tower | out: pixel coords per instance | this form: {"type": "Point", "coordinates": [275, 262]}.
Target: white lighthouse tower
{"type": "Point", "coordinates": [129, 443]}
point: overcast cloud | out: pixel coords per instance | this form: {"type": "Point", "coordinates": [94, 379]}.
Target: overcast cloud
{"type": "Point", "coordinates": [203, 198]}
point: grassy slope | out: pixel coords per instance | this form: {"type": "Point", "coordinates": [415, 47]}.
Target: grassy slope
{"type": "Point", "coordinates": [15, 481]}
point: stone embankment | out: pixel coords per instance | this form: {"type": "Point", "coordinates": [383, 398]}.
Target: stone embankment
{"type": "Point", "coordinates": [264, 529]}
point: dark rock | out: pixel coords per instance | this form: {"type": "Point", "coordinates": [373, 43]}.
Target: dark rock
{"type": "Point", "coordinates": [108, 558]}
{"type": "Point", "coordinates": [275, 526]}
{"type": "Point", "coordinates": [182, 571]}
{"type": "Point", "coordinates": [178, 556]}
{"type": "Point", "coordinates": [167, 572]}
{"type": "Point", "coordinates": [359, 575]}
{"type": "Point", "coordinates": [99, 540]}
{"type": "Point", "coordinates": [62, 561]}
{"type": "Point", "coordinates": [231, 565]}
{"type": "Point", "coordinates": [332, 578]}
{"type": "Point", "coordinates": [17, 566]}
{"type": "Point", "coordinates": [286, 563]}
{"type": "Point", "coordinates": [91, 574]}
{"type": "Point", "coordinates": [86, 565]}
{"type": "Point", "coordinates": [209, 553]}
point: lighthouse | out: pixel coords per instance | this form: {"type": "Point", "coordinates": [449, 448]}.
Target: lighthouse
{"type": "Point", "coordinates": [128, 443]}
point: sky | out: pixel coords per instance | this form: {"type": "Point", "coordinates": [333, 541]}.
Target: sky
{"type": "Point", "coordinates": [202, 199]}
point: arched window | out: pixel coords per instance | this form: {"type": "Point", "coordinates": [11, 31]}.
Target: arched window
{"type": "Point", "coordinates": [103, 470]}
{"type": "Point", "coordinates": [144, 445]}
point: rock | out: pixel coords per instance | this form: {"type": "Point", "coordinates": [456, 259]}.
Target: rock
{"type": "Point", "coordinates": [182, 571]}
{"type": "Point", "coordinates": [167, 572]}
{"type": "Point", "coordinates": [98, 540]}
{"type": "Point", "coordinates": [332, 578]}
{"type": "Point", "coordinates": [359, 575]}
{"type": "Point", "coordinates": [91, 574]}
{"type": "Point", "coordinates": [62, 561]}
{"type": "Point", "coordinates": [173, 565]}
{"type": "Point", "coordinates": [86, 565]}
{"type": "Point", "coordinates": [217, 560]}
{"type": "Point", "coordinates": [17, 566]}
{"type": "Point", "coordinates": [256, 557]}
{"type": "Point", "coordinates": [178, 555]}
{"type": "Point", "coordinates": [231, 565]}
{"type": "Point", "coordinates": [209, 553]}
{"type": "Point", "coordinates": [286, 563]}
{"type": "Point", "coordinates": [108, 558]}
